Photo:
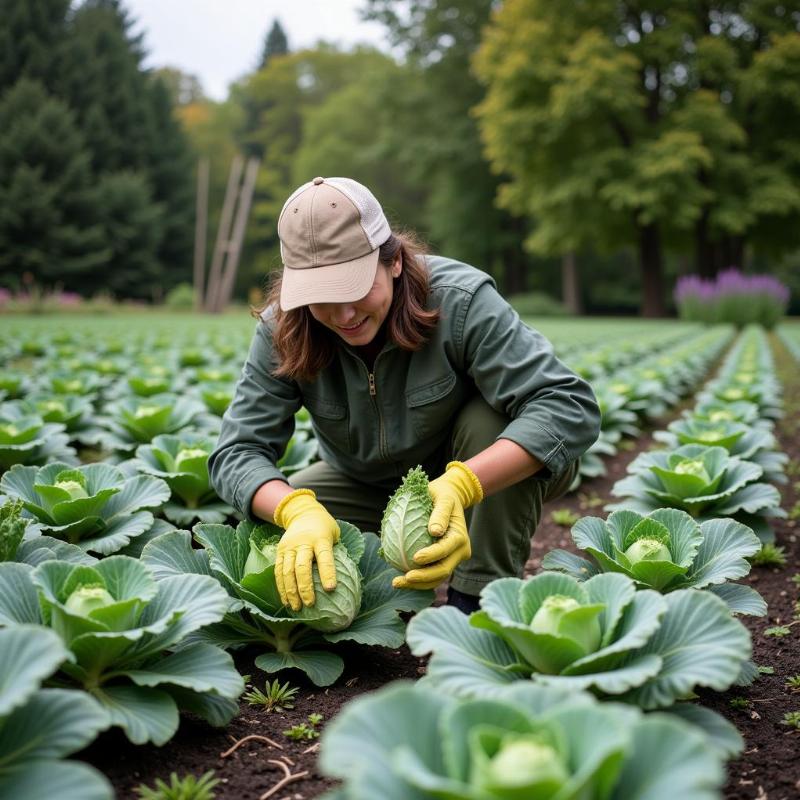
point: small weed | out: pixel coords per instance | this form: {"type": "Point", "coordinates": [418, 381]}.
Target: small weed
{"type": "Point", "coordinates": [793, 468]}
{"type": "Point", "coordinates": [186, 788]}
{"type": "Point", "coordinates": [740, 703]}
{"type": "Point", "coordinates": [303, 731]}
{"type": "Point", "coordinates": [795, 579]}
{"type": "Point", "coordinates": [778, 631]}
{"type": "Point", "coordinates": [564, 517]}
{"type": "Point", "coordinates": [795, 512]}
{"type": "Point", "coordinates": [626, 445]}
{"type": "Point", "coordinates": [792, 719]}
{"type": "Point", "coordinates": [591, 500]}
{"type": "Point", "coordinates": [769, 556]}
{"type": "Point", "coordinates": [793, 683]}
{"type": "Point", "coordinates": [277, 697]}
{"type": "Point", "coordinates": [766, 670]}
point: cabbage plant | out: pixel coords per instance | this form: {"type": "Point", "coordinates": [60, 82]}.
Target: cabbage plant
{"type": "Point", "coordinates": [182, 462]}
{"type": "Point", "coordinates": [148, 384]}
{"type": "Point", "coordinates": [14, 546]}
{"type": "Point", "coordinates": [93, 506]}
{"type": "Point", "coordinates": [404, 526]}
{"type": "Point", "coordinates": [38, 727]}
{"type": "Point", "coordinates": [301, 451]}
{"type": "Point", "coordinates": [217, 397]}
{"type": "Point", "coordinates": [132, 421]}
{"type": "Point", "coordinates": [25, 438]}
{"type": "Point", "coordinates": [719, 411]}
{"type": "Point", "coordinates": [86, 384]}
{"type": "Point", "coordinates": [643, 647]}
{"type": "Point", "coordinates": [13, 384]}
{"type": "Point", "coordinates": [616, 420]}
{"type": "Point", "coordinates": [74, 412]}
{"type": "Point", "coordinates": [666, 550]}
{"type": "Point", "coordinates": [409, 742]}
{"type": "Point", "coordinates": [127, 635]}
{"type": "Point", "coordinates": [754, 443]}
{"type": "Point", "coordinates": [706, 482]}
{"type": "Point", "coordinates": [363, 608]}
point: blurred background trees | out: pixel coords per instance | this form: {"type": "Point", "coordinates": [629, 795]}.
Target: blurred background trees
{"type": "Point", "coordinates": [590, 151]}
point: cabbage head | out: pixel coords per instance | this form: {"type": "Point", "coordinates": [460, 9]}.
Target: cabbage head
{"type": "Point", "coordinates": [332, 611]}
{"type": "Point", "coordinates": [404, 527]}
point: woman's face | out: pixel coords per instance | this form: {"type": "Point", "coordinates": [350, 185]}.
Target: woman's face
{"type": "Point", "coordinates": [358, 322]}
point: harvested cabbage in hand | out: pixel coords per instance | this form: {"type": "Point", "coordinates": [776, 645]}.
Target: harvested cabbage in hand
{"type": "Point", "coordinates": [404, 527]}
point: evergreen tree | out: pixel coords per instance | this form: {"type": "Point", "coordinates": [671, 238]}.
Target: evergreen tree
{"type": "Point", "coordinates": [48, 206]}
{"type": "Point", "coordinates": [103, 82]}
{"type": "Point", "coordinates": [170, 172]}
{"type": "Point", "coordinates": [128, 118]}
{"type": "Point", "coordinates": [131, 225]}
{"type": "Point", "coordinates": [30, 40]}
{"type": "Point", "coordinates": [275, 44]}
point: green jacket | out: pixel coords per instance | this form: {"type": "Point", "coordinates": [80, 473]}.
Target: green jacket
{"type": "Point", "coordinates": [374, 426]}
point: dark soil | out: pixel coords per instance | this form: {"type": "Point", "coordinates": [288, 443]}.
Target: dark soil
{"type": "Point", "coordinates": [769, 769]}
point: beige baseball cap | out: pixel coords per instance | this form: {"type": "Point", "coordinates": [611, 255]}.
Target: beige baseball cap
{"type": "Point", "coordinates": [331, 230]}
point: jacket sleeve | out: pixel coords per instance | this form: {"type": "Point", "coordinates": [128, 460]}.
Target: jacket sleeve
{"type": "Point", "coordinates": [554, 413]}
{"type": "Point", "coordinates": [255, 429]}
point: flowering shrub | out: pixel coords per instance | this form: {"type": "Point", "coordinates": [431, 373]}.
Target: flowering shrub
{"type": "Point", "coordinates": [732, 297]}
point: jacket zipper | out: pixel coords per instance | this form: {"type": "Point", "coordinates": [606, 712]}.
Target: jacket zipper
{"type": "Point", "coordinates": [373, 394]}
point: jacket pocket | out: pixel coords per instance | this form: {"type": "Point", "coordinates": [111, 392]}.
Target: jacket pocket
{"type": "Point", "coordinates": [433, 405]}
{"type": "Point", "coordinates": [329, 420]}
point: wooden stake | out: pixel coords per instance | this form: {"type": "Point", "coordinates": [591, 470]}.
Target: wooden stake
{"type": "Point", "coordinates": [223, 233]}
{"type": "Point", "coordinates": [234, 248]}
{"type": "Point", "coordinates": [200, 233]}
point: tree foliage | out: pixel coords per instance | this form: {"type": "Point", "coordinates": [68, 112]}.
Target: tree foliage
{"type": "Point", "coordinates": [621, 124]}
{"type": "Point", "coordinates": [98, 172]}
{"type": "Point", "coordinates": [49, 226]}
{"type": "Point", "coordinates": [275, 43]}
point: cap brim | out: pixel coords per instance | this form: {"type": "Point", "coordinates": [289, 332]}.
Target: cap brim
{"type": "Point", "coordinates": [334, 283]}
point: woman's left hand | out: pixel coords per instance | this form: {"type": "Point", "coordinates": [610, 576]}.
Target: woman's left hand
{"type": "Point", "coordinates": [458, 488]}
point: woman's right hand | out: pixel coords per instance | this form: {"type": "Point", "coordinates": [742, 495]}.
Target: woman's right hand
{"type": "Point", "coordinates": [310, 533]}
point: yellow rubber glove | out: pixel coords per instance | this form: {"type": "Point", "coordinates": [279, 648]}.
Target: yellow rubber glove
{"type": "Point", "coordinates": [311, 533]}
{"type": "Point", "coordinates": [457, 489]}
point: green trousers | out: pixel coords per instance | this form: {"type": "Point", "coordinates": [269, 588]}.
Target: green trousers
{"type": "Point", "coordinates": [500, 528]}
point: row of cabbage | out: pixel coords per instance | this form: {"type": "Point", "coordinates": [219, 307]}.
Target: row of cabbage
{"type": "Point", "coordinates": [721, 459]}
{"type": "Point", "coordinates": [541, 693]}
{"type": "Point", "coordinates": [790, 336]}
{"type": "Point", "coordinates": [633, 397]}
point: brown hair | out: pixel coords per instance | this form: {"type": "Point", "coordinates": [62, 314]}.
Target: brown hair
{"type": "Point", "coordinates": [303, 347]}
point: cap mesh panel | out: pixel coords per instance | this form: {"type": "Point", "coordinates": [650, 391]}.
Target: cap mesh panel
{"type": "Point", "coordinates": [373, 220]}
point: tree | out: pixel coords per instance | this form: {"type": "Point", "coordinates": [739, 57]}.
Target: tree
{"type": "Point", "coordinates": [353, 131]}
{"type": "Point", "coordinates": [49, 215]}
{"type": "Point", "coordinates": [275, 44]}
{"type": "Point", "coordinates": [127, 115]}
{"type": "Point", "coordinates": [184, 88]}
{"type": "Point", "coordinates": [437, 138]}
{"type": "Point", "coordinates": [621, 123]}
{"type": "Point", "coordinates": [275, 102]}
{"type": "Point", "coordinates": [30, 39]}
{"type": "Point", "coordinates": [104, 83]}
{"type": "Point", "coordinates": [170, 174]}
{"type": "Point", "coordinates": [131, 225]}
